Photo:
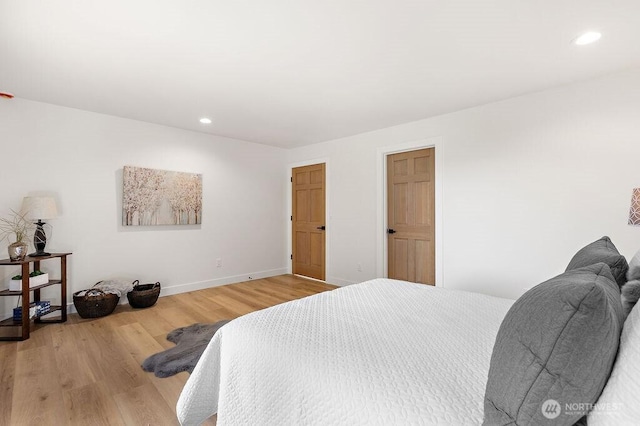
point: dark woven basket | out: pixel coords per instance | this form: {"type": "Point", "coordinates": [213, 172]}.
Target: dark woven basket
{"type": "Point", "coordinates": [95, 303]}
{"type": "Point", "coordinates": [143, 295]}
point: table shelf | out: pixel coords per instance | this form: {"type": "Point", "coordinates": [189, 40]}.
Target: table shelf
{"type": "Point", "coordinates": [9, 322]}
{"type": "Point", "coordinates": [38, 287]}
{"type": "Point", "coordinates": [23, 327]}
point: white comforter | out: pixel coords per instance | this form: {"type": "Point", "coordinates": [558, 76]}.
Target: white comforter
{"type": "Point", "coordinates": [381, 352]}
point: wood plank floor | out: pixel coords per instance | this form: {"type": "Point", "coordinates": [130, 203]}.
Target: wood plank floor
{"type": "Point", "coordinates": [87, 371]}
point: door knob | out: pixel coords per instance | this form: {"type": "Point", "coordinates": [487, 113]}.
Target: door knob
{"type": "Point", "coordinates": [391, 231]}
{"type": "Point", "coordinates": [322, 228]}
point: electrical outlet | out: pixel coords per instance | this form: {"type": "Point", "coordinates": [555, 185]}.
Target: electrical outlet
{"type": "Point", "coordinates": [219, 263]}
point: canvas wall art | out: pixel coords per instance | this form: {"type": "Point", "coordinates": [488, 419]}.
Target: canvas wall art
{"type": "Point", "coordinates": [634, 212]}
{"type": "Point", "coordinates": [161, 197]}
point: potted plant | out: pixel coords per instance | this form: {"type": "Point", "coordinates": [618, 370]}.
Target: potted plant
{"type": "Point", "coordinates": [19, 227]}
{"type": "Point", "coordinates": [36, 278]}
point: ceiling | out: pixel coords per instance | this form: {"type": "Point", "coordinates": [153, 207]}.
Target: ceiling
{"type": "Point", "coordinates": [294, 72]}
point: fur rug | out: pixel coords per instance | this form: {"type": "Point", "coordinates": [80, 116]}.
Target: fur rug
{"type": "Point", "coordinates": [190, 343]}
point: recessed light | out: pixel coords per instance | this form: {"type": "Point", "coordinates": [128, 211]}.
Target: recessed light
{"type": "Point", "coordinates": [205, 120]}
{"type": "Point", "coordinates": [587, 38]}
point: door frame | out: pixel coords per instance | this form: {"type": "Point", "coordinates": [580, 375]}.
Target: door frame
{"type": "Point", "coordinates": [382, 252]}
{"type": "Point", "coordinates": [327, 218]}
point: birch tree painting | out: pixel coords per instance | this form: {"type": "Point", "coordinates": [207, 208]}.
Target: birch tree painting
{"type": "Point", "coordinates": [160, 197]}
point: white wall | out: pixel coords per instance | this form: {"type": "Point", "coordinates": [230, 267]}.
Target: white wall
{"type": "Point", "coordinates": [525, 183]}
{"type": "Point", "coordinates": [78, 157]}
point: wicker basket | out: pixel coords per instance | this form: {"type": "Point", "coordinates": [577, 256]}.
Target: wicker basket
{"type": "Point", "coordinates": [143, 295]}
{"type": "Point", "coordinates": [95, 303]}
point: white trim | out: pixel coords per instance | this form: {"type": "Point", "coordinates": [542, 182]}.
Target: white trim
{"type": "Point", "coordinates": [184, 288]}
{"type": "Point", "coordinates": [341, 282]}
{"type": "Point", "coordinates": [201, 285]}
{"type": "Point", "coordinates": [381, 235]}
{"type": "Point", "coordinates": [309, 278]}
{"type": "Point", "coordinates": [327, 203]}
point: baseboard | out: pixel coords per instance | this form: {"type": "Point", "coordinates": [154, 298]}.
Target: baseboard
{"type": "Point", "coordinates": [184, 288]}
{"type": "Point", "coordinates": [340, 281]}
{"type": "Point", "coordinates": [201, 285]}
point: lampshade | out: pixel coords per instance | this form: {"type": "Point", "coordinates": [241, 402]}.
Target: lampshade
{"type": "Point", "coordinates": [39, 208]}
{"type": "Point", "coordinates": [634, 212]}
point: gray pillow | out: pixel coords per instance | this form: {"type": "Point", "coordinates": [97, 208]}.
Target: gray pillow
{"type": "Point", "coordinates": [602, 250]}
{"type": "Point", "coordinates": [630, 296]}
{"type": "Point", "coordinates": [557, 342]}
{"type": "Point", "coordinates": [634, 268]}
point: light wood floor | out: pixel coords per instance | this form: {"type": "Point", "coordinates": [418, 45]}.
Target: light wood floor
{"type": "Point", "coordinates": [87, 372]}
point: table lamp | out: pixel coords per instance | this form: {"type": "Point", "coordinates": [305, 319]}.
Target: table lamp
{"type": "Point", "coordinates": [38, 208]}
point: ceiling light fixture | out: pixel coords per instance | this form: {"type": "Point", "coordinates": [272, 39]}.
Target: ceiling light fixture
{"type": "Point", "coordinates": [205, 120]}
{"type": "Point", "coordinates": [587, 38]}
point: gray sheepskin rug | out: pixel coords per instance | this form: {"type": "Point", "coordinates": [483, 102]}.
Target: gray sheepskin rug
{"type": "Point", "coordinates": [190, 341]}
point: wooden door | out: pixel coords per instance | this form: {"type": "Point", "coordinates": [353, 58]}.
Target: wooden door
{"type": "Point", "coordinates": [309, 221]}
{"type": "Point", "coordinates": [411, 216]}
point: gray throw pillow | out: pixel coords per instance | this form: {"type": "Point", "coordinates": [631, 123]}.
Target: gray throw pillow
{"type": "Point", "coordinates": [557, 343]}
{"type": "Point", "coordinates": [602, 250]}
{"type": "Point", "coordinates": [634, 268]}
{"type": "Point", "coordinates": [630, 296]}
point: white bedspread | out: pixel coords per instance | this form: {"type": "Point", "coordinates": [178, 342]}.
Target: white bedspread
{"type": "Point", "coordinates": [381, 352]}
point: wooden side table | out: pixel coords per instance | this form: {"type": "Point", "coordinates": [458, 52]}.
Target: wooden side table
{"type": "Point", "coordinates": [23, 326]}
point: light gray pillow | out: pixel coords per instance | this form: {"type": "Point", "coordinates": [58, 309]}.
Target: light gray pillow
{"type": "Point", "coordinates": [602, 250]}
{"type": "Point", "coordinates": [630, 296]}
{"type": "Point", "coordinates": [557, 342]}
{"type": "Point", "coordinates": [634, 268]}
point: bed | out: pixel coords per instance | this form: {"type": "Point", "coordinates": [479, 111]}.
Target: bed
{"type": "Point", "coordinates": [379, 352]}
{"type": "Point", "coordinates": [392, 352]}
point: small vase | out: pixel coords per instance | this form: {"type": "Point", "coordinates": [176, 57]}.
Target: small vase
{"type": "Point", "coordinates": [17, 251]}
